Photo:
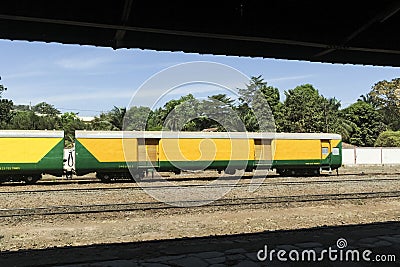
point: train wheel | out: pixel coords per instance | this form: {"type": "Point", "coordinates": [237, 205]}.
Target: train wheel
{"type": "Point", "coordinates": [230, 171]}
{"type": "Point", "coordinates": [137, 176]}
{"type": "Point", "coordinates": [282, 172]}
{"type": "Point", "coordinates": [31, 179]}
{"type": "Point", "coordinates": [104, 177]}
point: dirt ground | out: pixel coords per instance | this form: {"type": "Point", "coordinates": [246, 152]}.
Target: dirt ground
{"type": "Point", "coordinates": [72, 230]}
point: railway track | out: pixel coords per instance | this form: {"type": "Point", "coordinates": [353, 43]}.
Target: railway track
{"type": "Point", "coordinates": [149, 187]}
{"type": "Point", "coordinates": [145, 206]}
{"type": "Point", "coordinates": [94, 180]}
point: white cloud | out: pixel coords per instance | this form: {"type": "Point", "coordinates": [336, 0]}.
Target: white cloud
{"type": "Point", "coordinates": [25, 74]}
{"type": "Point", "coordinates": [83, 97]}
{"type": "Point", "coordinates": [99, 95]}
{"type": "Point", "coordinates": [83, 63]}
{"type": "Point", "coordinates": [143, 66]}
{"type": "Point", "coordinates": [299, 77]}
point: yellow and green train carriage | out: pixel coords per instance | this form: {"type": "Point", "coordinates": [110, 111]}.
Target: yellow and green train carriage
{"type": "Point", "coordinates": [26, 155]}
{"type": "Point", "coordinates": [110, 154]}
{"type": "Point", "coordinates": [306, 153]}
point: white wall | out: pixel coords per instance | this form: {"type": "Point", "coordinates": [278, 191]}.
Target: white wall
{"type": "Point", "coordinates": [348, 156]}
{"type": "Point", "coordinates": [391, 155]}
{"type": "Point", "coordinates": [371, 155]}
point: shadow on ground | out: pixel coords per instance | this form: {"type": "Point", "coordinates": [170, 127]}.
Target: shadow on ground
{"type": "Point", "coordinates": [233, 250]}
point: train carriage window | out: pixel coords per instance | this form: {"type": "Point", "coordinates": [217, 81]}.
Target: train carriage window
{"type": "Point", "coordinates": [324, 150]}
{"type": "Point", "coordinates": [335, 151]}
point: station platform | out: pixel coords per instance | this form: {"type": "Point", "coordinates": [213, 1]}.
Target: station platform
{"type": "Point", "coordinates": [381, 239]}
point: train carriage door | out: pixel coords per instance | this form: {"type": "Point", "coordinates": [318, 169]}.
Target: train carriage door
{"type": "Point", "coordinates": [263, 153]}
{"type": "Point", "coordinates": [148, 152]}
{"type": "Point", "coordinates": [325, 152]}
{"type": "Point", "coordinates": [152, 151]}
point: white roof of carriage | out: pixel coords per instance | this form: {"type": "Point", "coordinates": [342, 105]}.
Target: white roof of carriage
{"type": "Point", "coordinates": [31, 133]}
{"type": "Point", "coordinates": [202, 135]}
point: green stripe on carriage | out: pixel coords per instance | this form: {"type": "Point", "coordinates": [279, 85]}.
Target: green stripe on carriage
{"type": "Point", "coordinates": [201, 165]}
{"type": "Point", "coordinates": [301, 163]}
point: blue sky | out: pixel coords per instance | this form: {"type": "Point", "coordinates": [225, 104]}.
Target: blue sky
{"type": "Point", "coordinates": [90, 80]}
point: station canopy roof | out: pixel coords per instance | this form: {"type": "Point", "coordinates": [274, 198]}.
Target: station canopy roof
{"type": "Point", "coordinates": [357, 32]}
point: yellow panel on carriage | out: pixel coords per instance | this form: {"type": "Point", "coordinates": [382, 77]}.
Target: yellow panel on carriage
{"type": "Point", "coordinates": [26, 149]}
{"type": "Point", "coordinates": [204, 149]}
{"type": "Point", "coordinates": [111, 149]}
{"type": "Point", "coordinates": [290, 149]}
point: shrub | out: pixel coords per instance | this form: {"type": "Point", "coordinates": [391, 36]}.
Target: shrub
{"type": "Point", "coordinates": [388, 139]}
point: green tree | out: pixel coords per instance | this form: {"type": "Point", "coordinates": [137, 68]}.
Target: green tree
{"type": "Point", "coordinates": [388, 139]}
{"type": "Point", "coordinates": [43, 116]}
{"type": "Point", "coordinates": [45, 108]}
{"type": "Point", "coordinates": [5, 109]}
{"type": "Point", "coordinates": [2, 89]}
{"type": "Point", "coordinates": [341, 125]}
{"type": "Point", "coordinates": [48, 122]}
{"type": "Point", "coordinates": [69, 123]}
{"type": "Point", "coordinates": [116, 117]}
{"type": "Point", "coordinates": [114, 120]}
{"type": "Point", "coordinates": [183, 114]}
{"type": "Point", "coordinates": [101, 123]}
{"type": "Point", "coordinates": [335, 122]}
{"type": "Point", "coordinates": [24, 120]}
{"type": "Point", "coordinates": [272, 96]}
{"type": "Point", "coordinates": [166, 117]}
{"type": "Point", "coordinates": [368, 123]}
{"type": "Point", "coordinates": [190, 114]}
{"type": "Point", "coordinates": [136, 118]}
{"type": "Point", "coordinates": [367, 98]}
{"type": "Point", "coordinates": [386, 95]}
{"type": "Point", "coordinates": [257, 105]}
{"type": "Point", "coordinates": [21, 108]}
{"type": "Point", "coordinates": [305, 110]}
{"type": "Point", "coordinates": [154, 122]}
{"type": "Point", "coordinates": [5, 112]}
{"type": "Point", "coordinates": [28, 120]}
{"type": "Point", "coordinates": [223, 98]}
{"type": "Point", "coordinates": [218, 111]}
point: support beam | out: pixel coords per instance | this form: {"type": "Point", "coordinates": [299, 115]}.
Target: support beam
{"type": "Point", "coordinates": [119, 34]}
{"type": "Point", "coordinates": [380, 18]}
